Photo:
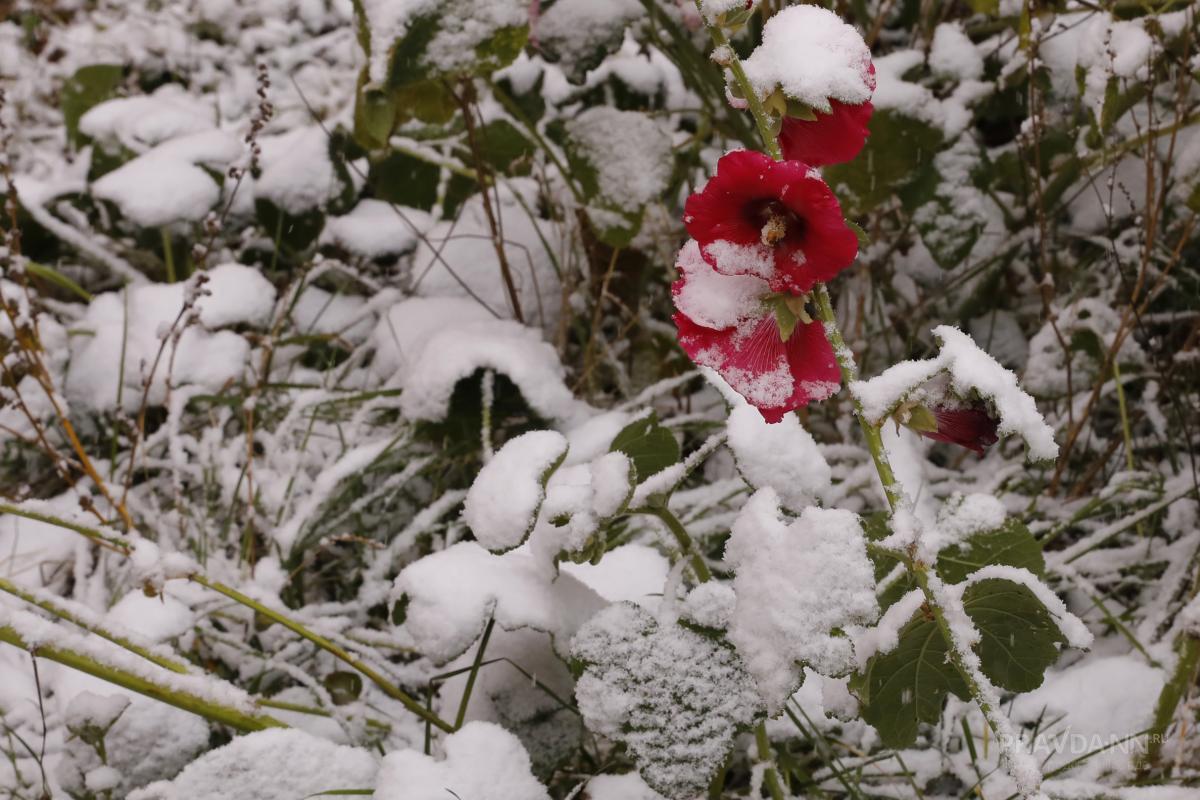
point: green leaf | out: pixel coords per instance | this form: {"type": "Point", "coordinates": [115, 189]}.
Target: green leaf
{"type": "Point", "coordinates": [1019, 637]}
{"type": "Point", "coordinates": [785, 319]}
{"type": "Point", "coordinates": [651, 447]}
{"type": "Point", "coordinates": [88, 87]}
{"type": "Point", "coordinates": [344, 687]}
{"type": "Point", "coordinates": [908, 685]}
{"type": "Point", "coordinates": [1011, 544]}
{"type": "Point", "coordinates": [863, 239]}
{"type": "Point", "coordinates": [897, 160]}
{"type": "Point", "coordinates": [406, 181]}
{"type": "Point", "coordinates": [501, 143]}
{"type": "Point", "coordinates": [374, 116]}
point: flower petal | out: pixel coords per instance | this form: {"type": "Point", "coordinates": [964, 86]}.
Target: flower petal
{"type": "Point", "coordinates": [833, 138]}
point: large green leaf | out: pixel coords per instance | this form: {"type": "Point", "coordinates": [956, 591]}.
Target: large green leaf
{"type": "Point", "coordinates": [908, 685]}
{"type": "Point", "coordinates": [897, 160]}
{"type": "Point", "coordinates": [1011, 544]}
{"type": "Point", "coordinates": [651, 447]}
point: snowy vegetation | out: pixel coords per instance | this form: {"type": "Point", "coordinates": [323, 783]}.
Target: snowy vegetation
{"type": "Point", "coordinates": [610, 399]}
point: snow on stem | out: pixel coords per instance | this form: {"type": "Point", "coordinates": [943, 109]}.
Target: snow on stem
{"type": "Point", "coordinates": [953, 623]}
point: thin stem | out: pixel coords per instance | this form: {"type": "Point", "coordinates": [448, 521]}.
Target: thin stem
{"type": "Point", "coordinates": [771, 778]}
{"type": "Point", "coordinates": [761, 120]}
{"type": "Point", "coordinates": [320, 641]}
{"type": "Point", "coordinates": [703, 573]}
{"type": "Point", "coordinates": [466, 697]}
{"type": "Point", "coordinates": [168, 254]}
{"type": "Point", "coordinates": [180, 698]}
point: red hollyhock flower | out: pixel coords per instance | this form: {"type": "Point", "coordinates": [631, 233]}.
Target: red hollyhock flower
{"type": "Point", "coordinates": [972, 427]}
{"type": "Point", "coordinates": [775, 220]}
{"type": "Point", "coordinates": [730, 323]}
{"type": "Point", "coordinates": [832, 138]}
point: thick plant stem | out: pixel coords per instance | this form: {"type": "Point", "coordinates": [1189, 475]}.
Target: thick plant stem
{"type": "Point", "coordinates": [871, 433]}
{"type": "Point", "coordinates": [320, 641]}
{"type": "Point", "coordinates": [180, 698]}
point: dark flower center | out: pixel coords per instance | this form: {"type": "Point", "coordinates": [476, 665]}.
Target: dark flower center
{"type": "Point", "coordinates": [776, 221]}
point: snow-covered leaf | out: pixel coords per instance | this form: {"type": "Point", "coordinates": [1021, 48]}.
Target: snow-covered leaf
{"type": "Point", "coordinates": [675, 697]}
{"type": "Point", "coordinates": [503, 503]}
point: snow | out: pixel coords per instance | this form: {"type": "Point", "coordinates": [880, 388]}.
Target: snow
{"type": "Point", "coordinates": [152, 191]}
{"type": "Point", "coordinates": [452, 593]}
{"type": "Point", "coordinates": [90, 715]}
{"type": "Point", "coordinates": [573, 30]}
{"type": "Point", "coordinates": [710, 604]}
{"type": "Point", "coordinates": [297, 172]}
{"type": "Point", "coordinates": [715, 300]}
{"type": "Point", "coordinates": [482, 761]}
{"type": "Point", "coordinates": [953, 54]}
{"type": "Point", "coordinates": [139, 123]}
{"type": "Point", "coordinates": [268, 765]}
{"type": "Point", "coordinates": [502, 504]}
{"type": "Point", "coordinates": [783, 456]}
{"type": "Point", "coordinates": [632, 572]}
{"type": "Point", "coordinates": [797, 585]}
{"type": "Point", "coordinates": [712, 9]}
{"type": "Point", "coordinates": [235, 295]}
{"type": "Point", "coordinates": [629, 152]}
{"type": "Point", "coordinates": [158, 619]}
{"type": "Point", "coordinates": [813, 56]}
{"type": "Point", "coordinates": [375, 229]}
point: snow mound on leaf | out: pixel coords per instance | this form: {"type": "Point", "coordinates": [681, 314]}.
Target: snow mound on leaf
{"type": "Point", "coordinates": [152, 191]}
{"type": "Point", "coordinates": [425, 346]}
{"type": "Point", "coordinates": [282, 764]}
{"type": "Point", "coordinates": [633, 572]}
{"type": "Point", "coordinates": [129, 323]}
{"type": "Point", "coordinates": [782, 455]}
{"type": "Point", "coordinates": [814, 56]}
{"type": "Point", "coordinates": [139, 123]}
{"type": "Point", "coordinates": [796, 584]}
{"type": "Point", "coordinates": [502, 504]}
{"type": "Point", "coordinates": [629, 151]}
{"type": "Point", "coordinates": [482, 762]}
{"type": "Point", "coordinates": [297, 172]}
{"type": "Point", "coordinates": [374, 228]}
{"type": "Point", "coordinates": [449, 595]}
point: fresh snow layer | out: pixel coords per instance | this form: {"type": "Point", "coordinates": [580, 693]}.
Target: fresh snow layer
{"type": "Point", "coordinates": [450, 595]}
{"type": "Point", "coordinates": [277, 764]}
{"type": "Point", "coordinates": [783, 456]}
{"type": "Point", "coordinates": [502, 504]}
{"type": "Point", "coordinates": [796, 585]}
{"type": "Point", "coordinates": [813, 56]}
{"type": "Point", "coordinates": [482, 762]}
{"type": "Point", "coordinates": [376, 229]}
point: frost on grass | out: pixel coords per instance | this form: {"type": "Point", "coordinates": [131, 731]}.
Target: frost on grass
{"type": "Point", "coordinates": [502, 504]}
{"type": "Point", "coordinates": [783, 456]}
{"type": "Point", "coordinates": [813, 56]}
{"type": "Point", "coordinates": [482, 761]}
{"type": "Point", "coordinates": [268, 765]}
{"type": "Point", "coordinates": [675, 697]}
{"type": "Point", "coordinates": [447, 597]}
{"type": "Point", "coordinates": [797, 586]}
{"type": "Point", "coordinates": [969, 373]}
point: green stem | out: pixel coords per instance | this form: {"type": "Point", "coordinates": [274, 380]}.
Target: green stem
{"type": "Point", "coordinates": [466, 697]}
{"type": "Point", "coordinates": [50, 606]}
{"type": "Point", "coordinates": [112, 542]}
{"type": "Point", "coordinates": [168, 253]}
{"type": "Point", "coordinates": [703, 573]}
{"type": "Point", "coordinates": [179, 698]}
{"type": "Point", "coordinates": [771, 778]}
{"type": "Point", "coordinates": [761, 120]}
{"type": "Point", "coordinates": [320, 641]}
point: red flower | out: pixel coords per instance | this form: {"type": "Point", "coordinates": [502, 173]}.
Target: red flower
{"type": "Point", "coordinates": [775, 220]}
{"type": "Point", "coordinates": [832, 138]}
{"type": "Point", "coordinates": [729, 323]}
{"type": "Point", "coordinates": [972, 427]}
